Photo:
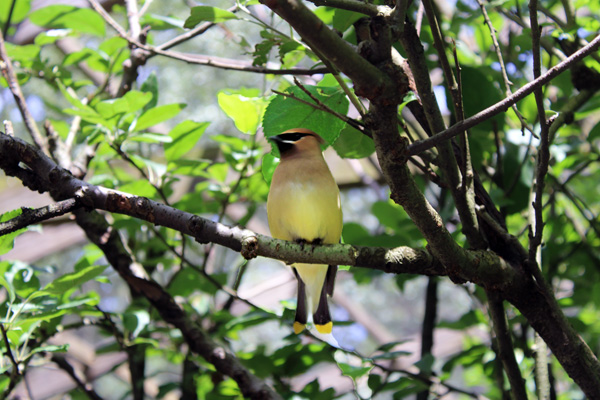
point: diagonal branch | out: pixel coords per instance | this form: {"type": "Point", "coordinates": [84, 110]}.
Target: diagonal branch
{"type": "Point", "coordinates": [503, 105]}
{"type": "Point", "coordinates": [211, 61]}
{"type": "Point", "coordinates": [30, 217]}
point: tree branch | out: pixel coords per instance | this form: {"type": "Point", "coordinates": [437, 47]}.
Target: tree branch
{"type": "Point", "coordinates": [503, 105]}
{"type": "Point", "coordinates": [505, 346]}
{"type": "Point", "coordinates": [86, 388]}
{"type": "Point", "coordinates": [369, 9]}
{"type": "Point", "coordinates": [30, 216]}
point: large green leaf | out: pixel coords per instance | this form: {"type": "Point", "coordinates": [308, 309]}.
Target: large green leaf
{"type": "Point", "coordinates": [19, 12]}
{"type": "Point", "coordinates": [7, 241]}
{"type": "Point", "coordinates": [244, 106]}
{"type": "Point", "coordinates": [479, 92]}
{"type": "Point", "coordinates": [285, 113]}
{"type": "Point", "coordinates": [61, 16]}
{"type": "Point", "coordinates": [353, 144]}
{"type": "Point", "coordinates": [185, 136]}
{"type": "Point", "coordinates": [73, 280]}
{"type": "Point", "coordinates": [157, 115]}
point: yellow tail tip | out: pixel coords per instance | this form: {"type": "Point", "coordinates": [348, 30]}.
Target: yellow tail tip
{"type": "Point", "coordinates": [325, 328]}
{"type": "Point", "coordinates": [298, 327]}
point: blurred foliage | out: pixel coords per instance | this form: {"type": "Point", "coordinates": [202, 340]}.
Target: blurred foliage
{"type": "Point", "coordinates": [205, 165]}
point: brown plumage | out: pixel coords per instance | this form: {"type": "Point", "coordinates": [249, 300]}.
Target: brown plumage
{"type": "Point", "coordinates": [304, 206]}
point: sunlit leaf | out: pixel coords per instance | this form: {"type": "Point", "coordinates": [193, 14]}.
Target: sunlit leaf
{"type": "Point", "coordinates": [244, 106]}
{"type": "Point", "coordinates": [157, 115]}
{"type": "Point", "coordinates": [185, 136]}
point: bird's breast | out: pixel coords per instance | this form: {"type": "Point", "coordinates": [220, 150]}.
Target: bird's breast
{"type": "Point", "coordinates": [305, 209]}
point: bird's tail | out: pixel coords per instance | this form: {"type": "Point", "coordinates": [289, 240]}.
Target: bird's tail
{"type": "Point", "coordinates": [315, 281]}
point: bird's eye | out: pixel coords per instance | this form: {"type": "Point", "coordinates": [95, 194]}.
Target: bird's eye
{"type": "Point", "coordinates": [292, 136]}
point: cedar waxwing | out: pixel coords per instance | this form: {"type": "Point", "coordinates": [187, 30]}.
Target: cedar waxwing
{"type": "Point", "coordinates": [304, 207]}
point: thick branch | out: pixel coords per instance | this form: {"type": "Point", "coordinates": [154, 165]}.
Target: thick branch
{"type": "Point", "coordinates": [369, 80]}
{"type": "Point", "coordinates": [505, 346]}
{"type": "Point", "coordinates": [108, 240]}
{"type": "Point", "coordinates": [44, 175]}
{"type": "Point", "coordinates": [369, 9]}
{"type": "Point", "coordinates": [503, 105]}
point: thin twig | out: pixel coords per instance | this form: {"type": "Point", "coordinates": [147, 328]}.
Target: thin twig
{"type": "Point", "coordinates": [429, 380]}
{"type": "Point", "coordinates": [543, 155]}
{"type": "Point", "coordinates": [141, 170]}
{"type": "Point", "coordinates": [9, 352]}
{"type": "Point", "coordinates": [8, 18]}
{"type": "Point", "coordinates": [507, 82]}
{"type": "Point", "coordinates": [13, 83]}
{"type": "Point", "coordinates": [536, 218]}
{"type": "Point", "coordinates": [133, 18]}
{"type": "Point", "coordinates": [86, 388]}
{"type": "Point", "coordinates": [212, 61]}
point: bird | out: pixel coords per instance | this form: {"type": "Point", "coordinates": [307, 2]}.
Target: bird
{"type": "Point", "coordinates": [304, 206]}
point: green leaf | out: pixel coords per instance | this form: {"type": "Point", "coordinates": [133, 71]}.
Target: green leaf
{"type": "Point", "coordinates": [344, 19]}
{"type": "Point", "coordinates": [353, 371]}
{"type": "Point", "coordinates": [139, 187]}
{"type": "Point", "coordinates": [21, 8]}
{"type": "Point", "coordinates": [353, 144]}
{"type": "Point", "coordinates": [185, 136]}
{"type": "Point", "coordinates": [157, 115]}
{"type": "Point", "coordinates": [594, 133]}
{"type": "Point", "coordinates": [285, 113]}
{"type": "Point", "coordinates": [425, 364]}
{"type": "Point", "coordinates": [72, 280]}
{"type": "Point", "coordinates": [23, 53]}
{"type": "Point", "coordinates": [148, 137]}
{"type": "Point", "coordinates": [244, 106]}
{"type": "Point", "coordinates": [7, 241]}
{"type": "Point", "coordinates": [187, 167]}
{"type": "Point", "coordinates": [60, 16]}
{"type": "Point", "coordinates": [269, 163]}
{"type": "Point", "coordinates": [480, 92]}
{"type": "Point", "coordinates": [393, 217]}
{"type": "Point", "coordinates": [344, 361]}
{"type": "Point", "coordinates": [62, 348]}
{"type": "Point", "coordinates": [209, 14]}
{"type": "Point", "coordinates": [150, 85]}
{"type": "Point", "coordinates": [7, 283]}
